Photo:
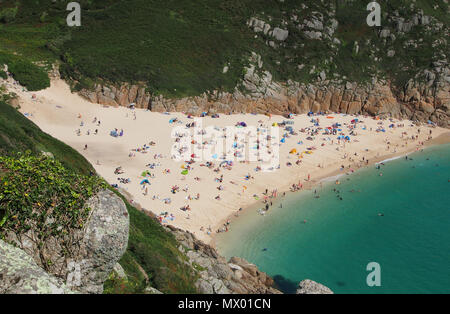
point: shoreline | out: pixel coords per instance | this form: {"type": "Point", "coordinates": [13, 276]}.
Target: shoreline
{"type": "Point", "coordinates": [442, 139]}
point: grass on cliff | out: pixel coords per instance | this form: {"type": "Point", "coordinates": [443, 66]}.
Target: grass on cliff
{"type": "Point", "coordinates": [28, 74]}
{"type": "Point", "coordinates": [180, 47]}
{"type": "Point", "coordinates": [37, 193]}
{"type": "Point", "coordinates": [152, 252]}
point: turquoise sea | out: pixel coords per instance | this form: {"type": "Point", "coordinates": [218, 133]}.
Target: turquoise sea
{"type": "Point", "coordinates": [401, 220]}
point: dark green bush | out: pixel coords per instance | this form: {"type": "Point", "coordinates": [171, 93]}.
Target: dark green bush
{"type": "Point", "coordinates": [38, 193]}
{"type": "Point", "coordinates": [8, 15]}
{"type": "Point", "coordinates": [27, 73]}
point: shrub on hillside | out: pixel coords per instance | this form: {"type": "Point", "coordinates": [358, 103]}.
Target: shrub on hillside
{"type": "Point", "coordinates": [37, 193]}
{"type": "Point", "coordinates": [27, 73]}
{"type": "Point", "coordinates": [8, 15]}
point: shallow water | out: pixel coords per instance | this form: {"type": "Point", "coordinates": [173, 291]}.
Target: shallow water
{"type": "Point", "coordinates": [411, 242]}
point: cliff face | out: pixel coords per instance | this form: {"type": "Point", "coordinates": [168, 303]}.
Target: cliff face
{"type": "Point", "coordinates": [416, 102]}
{"type": "Point", "coordinates": [81, 262]}
{"type": "Point", "coordinates": [219, 276]}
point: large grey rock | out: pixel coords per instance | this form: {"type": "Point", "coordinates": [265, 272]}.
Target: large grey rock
{"type": "Point", "coordinates": [280, 34]}
{"type": "Point", "coordinates": [84, 258]}
{"type": "Point", "coordinates": [105, 241]}
{"type": "Point", "coordinates": [19, 274]}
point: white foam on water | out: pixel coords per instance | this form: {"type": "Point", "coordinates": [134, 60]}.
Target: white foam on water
{"type": "Point", "coordinates": [389, 159]}
{"type": "Point", "coordinates": [333, 178]}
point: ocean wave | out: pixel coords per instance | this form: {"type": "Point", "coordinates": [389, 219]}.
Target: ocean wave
{"type": "Point", "coordinates": [389, 159]}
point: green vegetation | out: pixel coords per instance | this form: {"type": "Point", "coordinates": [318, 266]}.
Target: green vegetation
{"type": "Point", "coordinates": [177, 48]}
{"type": "Point", "coordinates": [180, 47]}
{"type": "Point", "coordinates": [37, 193]}
{"type": "Point", "coordinates": [8, 14]}
{"type": "Point", "coordinates": [27, 73]}
{"type": "Point", "coordinates": [153, 251]}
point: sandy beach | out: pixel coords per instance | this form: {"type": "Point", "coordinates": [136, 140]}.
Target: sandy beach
{"type": "Point", "coordinates": [216, 193]}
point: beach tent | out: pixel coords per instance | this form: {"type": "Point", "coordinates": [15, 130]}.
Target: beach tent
{"type": "Point", "coordinates": [145, 181]}
{"type": "Point", "coordinates": [283, 140]}
{"type": "Point", "coordinates": [145, 173]}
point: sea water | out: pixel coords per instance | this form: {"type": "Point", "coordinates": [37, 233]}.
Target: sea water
{"type": "Point", "coordinates": [400, 220]}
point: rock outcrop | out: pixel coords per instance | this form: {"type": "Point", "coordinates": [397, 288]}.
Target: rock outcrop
{"type": "Point", "coordinates": [19, 274]}
{"type": "Point", "coordinates": [219, 276]}
{"type": "Point", "coordinates": [308, 286]}
{"type": "Point", "coordinates": [425, 97]}
{"type": "Point", "coordinates": [123, 95]}
{"type": "Point", "coordinates": [82, 260]}
{"type": "Point", "coordinates": [420, 102]}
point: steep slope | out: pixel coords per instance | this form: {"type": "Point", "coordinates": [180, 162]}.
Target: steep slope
{"type": "Point", "coordinates": [184, 48]}
{"type": "Point", "coordinates": [151, 250]}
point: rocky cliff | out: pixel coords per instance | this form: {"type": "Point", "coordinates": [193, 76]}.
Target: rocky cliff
{"type": "Point", "coordinates": [416, 102]}
{"type": "Point", "coordinates": [94, 253]}
{"type": "Point", "coordinates": [80, 262]}
{"type": "Point", "coordinates": [219, 276]}
{"type": "Point", "coordinates": [323, 57]}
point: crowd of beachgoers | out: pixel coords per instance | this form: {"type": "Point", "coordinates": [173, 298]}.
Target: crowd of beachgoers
{"type": "Point", "coordinates": [133, 149]}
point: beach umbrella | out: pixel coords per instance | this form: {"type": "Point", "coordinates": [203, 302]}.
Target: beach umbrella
{"type": "Point", "coordinates": [145, 181]}
{"type": "Point", "coordinates": [293, 151]}
{"type": "Point", "coordinates": [283, 140]}
{"type": "Point", "coordinates": [184, 172]}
